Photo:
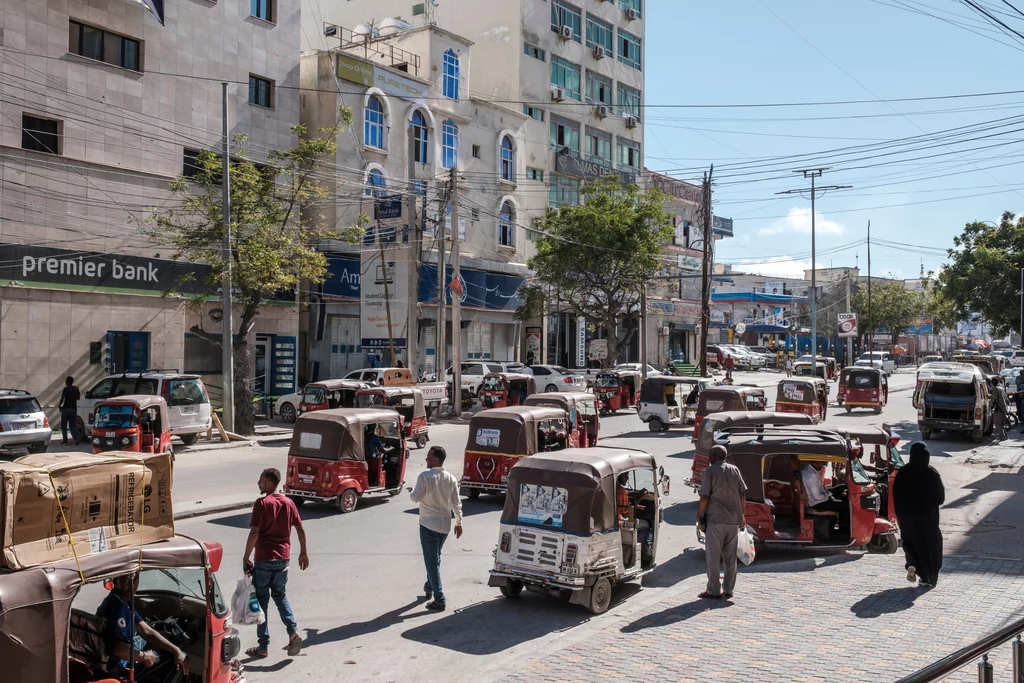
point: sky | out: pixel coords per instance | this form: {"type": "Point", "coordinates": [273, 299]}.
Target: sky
{"type": "Point", "coordinates": [918, 193]}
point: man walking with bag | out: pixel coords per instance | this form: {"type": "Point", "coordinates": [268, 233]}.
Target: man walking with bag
{"type": "Point", "coordinates": [720, 517]}
{"type": "Point", "coordinates": [437, 492]}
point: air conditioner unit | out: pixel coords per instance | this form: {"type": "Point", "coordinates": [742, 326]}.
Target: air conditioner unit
{"type": "Point", "coordinates": [565, 32]}
{"type": "Point", "coordinates": [632, 122]}
{"type": "Point", "coordinates": [599, 52]}
{"type": "Point", "coordinates": [601, 110]}
{"type": "Point", "coordinates": [557, 94]}
{"type": "Point", "coordinates": [632, 14]}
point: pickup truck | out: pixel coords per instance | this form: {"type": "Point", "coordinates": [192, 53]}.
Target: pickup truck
{"type": "Point", "coordinates": [434, 393]}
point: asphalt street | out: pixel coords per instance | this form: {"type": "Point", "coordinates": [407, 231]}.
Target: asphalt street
{"type": "Point", "coordinates": [359, 605]}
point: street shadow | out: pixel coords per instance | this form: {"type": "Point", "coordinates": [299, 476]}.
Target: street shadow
{"type": "Point", "coordinates": [309, 513]}
{"type": "Point", "coordinates": [269, 669]}
{"type": "Point", "coordinates": [485, 504]}
{"type": "Point", "coordinates": [888, 601]}
{"type": "Point", "coordinates": [673, 615]}
{"type": "Point", "coordinates": [689, 563]}
{"type": "Point", "coordinates": [682, 514]}
{"type": "Point", "coordinates": [355, 629]}
{"type": "Point", "coordinates": [768, 559]}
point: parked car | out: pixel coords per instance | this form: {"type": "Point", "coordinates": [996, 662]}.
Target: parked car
{"type": "Point", "coordinates": [557, 378]}
{"type": "Point", "coordinates": [187, 399]}
{"type": "Point", "coordinates": [741, 359]}
{"type": "Point", "coordinates": [755, 361]}
{"type": "Point", "coordinates": [287, 406]}
{"type": "Point", "coordinates": [517, 368]}
{"type": "Point", "coordinates": [883, 360]}
{"type": "Point", "coordinates": [636, 367]}
{"type": "Point", "coordinates": [770, 358]}
{"type": "Point", "coordinates": [1010, 377]}
{"type": "Point", "coordinates": [473, 373]}
{"type": "Point", "coordinates": [23, 422]}
{"type": "Point", "coordinates": [1017, 359]}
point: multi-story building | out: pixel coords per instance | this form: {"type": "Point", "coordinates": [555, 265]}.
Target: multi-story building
{"type": "Point", "coordinates": [104, 103]}
{"type": "Point", "coordinates": [416, 120]}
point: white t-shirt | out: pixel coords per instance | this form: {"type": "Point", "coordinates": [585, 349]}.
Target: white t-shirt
{"type": "Point", "coordinates": [437, 492]}
{"type": "Point", "coordinates": [816, 492]}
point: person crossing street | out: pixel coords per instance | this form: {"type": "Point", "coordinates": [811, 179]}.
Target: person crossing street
{"type": "Point", "coordinates": [437, 492]}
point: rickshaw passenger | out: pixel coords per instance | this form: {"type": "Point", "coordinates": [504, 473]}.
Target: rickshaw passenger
{"type": "Point", "coordinates": [124, 625]}
{"type": "Point", "coordinates": [692, 397]}
{"type": "Point", "coordinates": [375, 452]}
{"type": "Point", "coordinates": [622, 496]}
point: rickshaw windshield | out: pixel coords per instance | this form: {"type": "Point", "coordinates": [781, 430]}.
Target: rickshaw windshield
{"type": "Point", "coordinates": [864, 380]}
{"type": "Point", "coordinates": [189, 582]}
{"type": "Point", "coordinates": [388, 429]}
{"type": "Point", "coordinates": [859, 474]}
{"type": "Point", "coordinates": [314, 395]}
{"type": "Point", "coordinates": [895, 458]}
{"type": "Point", "coordinates": [115, 417]}
{"type": "Point", "coordinates": [587, 407]}
{"type": "Point", "coordinates": [494, 383]}
{"type": "Point", "coordinates": [607, 381]}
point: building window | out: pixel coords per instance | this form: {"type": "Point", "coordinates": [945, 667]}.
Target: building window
{"type": "Point", "coordinates": [190, 166]}
{"type": "Point", "coordinates": [508, 160]}
{"type": "Point", "coordinates": [629, 101]}
{"type": "Point", "coordinates": [261, 91]}
{"type": "Point", "coordinates": [375, 183]}
{"type": "Point", "coordinates": [474, 213]}
{"type": "Point", "coordinates": [104, 46]}
{"type": "Point", "coordinates": [419, 187]}
{"type": "Point", "coordinates": [40, 135]}
{"type": "Point", "coordinates": [373, 123]}
{"type": "Point", "coordinates": [535, 174]}
{"type": "Point", "coordinates": [420, 135]}
{"type": "Point", "coordinates": [533, 112]}
{"type": "Point", "coordinates": [262, 9]}
{"type": "Point", "coordinates": [533, 51]}
{"type": "Point", "coordinates": [565, 133]}
{"type": "Point", "coordinates": [507, 225]}
{"type": "Point", "coordinates": [599, 34]}
{"type": "Point", "coordinates": [476, 151]}
{"type": "Point", "coordinates": [629, 155]}
{"type": "Point", "coordinates": [599, 89]}
{"type": "Point", "coordinates": [564, 191]}
{"type": "Point", "coordinates": [565, 75]}
{"type": "Point", "coordinates": [627, 5]}
{"type": "Point", "coordinates": [629, 49]}
{"type": "Point", "coordinates": [564, 14]}
{"type": "Point", "coordinates": [450, 75]}
{"type": "Point", "coordinates": [599, 147]}
{"type": "Point", "coordinates": [449, 144]}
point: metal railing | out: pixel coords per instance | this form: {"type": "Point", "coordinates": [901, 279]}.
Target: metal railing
{"type": "Point", "coordinates": [964, 656]}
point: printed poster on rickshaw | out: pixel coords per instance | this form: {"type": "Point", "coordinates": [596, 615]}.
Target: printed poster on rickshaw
{"type": "Point", "coordinates": [542, 504]}
{"type": "Point", "coordinates": [792, 392]}
{"type": "Point", "coordinates": [488, 438]}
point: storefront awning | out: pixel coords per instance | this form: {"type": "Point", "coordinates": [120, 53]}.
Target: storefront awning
{"type": "Point", "coordinates": [754, 298]}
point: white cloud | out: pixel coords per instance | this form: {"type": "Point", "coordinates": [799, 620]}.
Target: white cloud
{"type": "Point", "coordinates": [780, 267]}
{"type": "Point", "coordinates": [799, 221]}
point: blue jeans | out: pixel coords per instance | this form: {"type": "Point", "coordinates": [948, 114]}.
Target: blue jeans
{"type": "Point", "coordinates": [268, 580]}
{"type": "Point", "coordinates": [432, 542]}
{"type": "Point", "coordinates": [69, 416]}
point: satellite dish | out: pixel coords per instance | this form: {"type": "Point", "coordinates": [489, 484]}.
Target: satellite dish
{"type": "Point", "coordinates": [740, 328]}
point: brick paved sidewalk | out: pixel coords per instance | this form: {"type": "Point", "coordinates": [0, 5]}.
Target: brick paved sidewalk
{"type": "Point", "coordinates": [842, 618]}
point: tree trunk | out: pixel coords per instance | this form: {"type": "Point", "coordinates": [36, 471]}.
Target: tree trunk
{"type": "Point", "coordinates": [612, 337]}
{"type": "Point", "coordinates": [245, 412]}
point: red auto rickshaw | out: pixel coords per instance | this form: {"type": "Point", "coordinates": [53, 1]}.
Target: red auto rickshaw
{"type": "Point", "coordinates": [727, 398]}
{"type": "Point", "coordinates": [861, 387]}
{"type": "Point", "coordinates": [504, 389]}
{"type": "Point", "coordinates": [136, 423]}
{"type": "Point", "coordinates": [499, 437]}
{"type": "Point", "coordinates": [329, 394]}
{"type": "Point", "coordinates": [581, 407]}
{"type": "Point", "coordinates": [407, 402]}
{"type": "Point", "coordinates": [803, 395]}
{"type": "Point", "coordinates": [338, 456]}
{"type": "Point", "coordinates": [617, 389]}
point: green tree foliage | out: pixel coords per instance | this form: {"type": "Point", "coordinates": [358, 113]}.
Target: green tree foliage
{"type": "Point", "coordinates": [983, 273]}
{"type": "Point", "coordinates": [894, 308]}
{"type": "Point", "coordinates": [275, 224]}
{"type": "Point", "coordinates": [599, 254]}
{"type": "Point", "coordinates": [939, 307]}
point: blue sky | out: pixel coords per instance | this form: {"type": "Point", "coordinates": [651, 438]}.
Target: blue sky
{"type": "Point", "coordinates": [740, 51]}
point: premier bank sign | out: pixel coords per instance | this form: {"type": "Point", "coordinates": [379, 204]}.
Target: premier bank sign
{"type": "Point", "coordinates": [29, 265]}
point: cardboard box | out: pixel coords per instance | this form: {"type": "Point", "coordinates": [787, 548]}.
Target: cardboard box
{"type": "Point", "coordinates": [109, 501]}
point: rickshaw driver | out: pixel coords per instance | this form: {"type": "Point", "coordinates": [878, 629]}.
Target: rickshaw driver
{"type": "Point", "coordinates": [643, 526]}
{"type": "Point", "coordinates": [375, 452]}
{"type": "Point", "coordinates": [816, 496]}
{"type": "Point", "coordinates": [123, 625]}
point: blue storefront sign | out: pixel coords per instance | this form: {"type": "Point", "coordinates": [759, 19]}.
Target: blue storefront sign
{"type": "Point", "coordinates": [342, 277]}
{"type": "Point", "coordinates": [496, 291]}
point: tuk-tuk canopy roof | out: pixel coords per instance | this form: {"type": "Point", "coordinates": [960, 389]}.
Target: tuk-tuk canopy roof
{"type": "Point", "coordinates": [804, 381]}
{"type": "Point", "coordinates": [339, 432]}
{"type": "Point", "coordinates": [565, 399]}
{"type": "Point", "coordinates": [733, 390]}
{"type": "Point", "coordinates": [516, 428]}
{"type": "Point", "coordinates": [653, 388]}
{"type": "Point", "coordinates": [398, 393]}
{"type": "Point", "coordinates": [336, 384]}
{"type": "Point", "coordinates": [143, 401]}
{"type": "Point", "coordinates": [742, 419]}
{"type": "Point", "coordinates": [35, 604]}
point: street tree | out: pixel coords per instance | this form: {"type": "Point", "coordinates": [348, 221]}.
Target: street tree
{"type": "Point", "coordinates": [275, 228]}
{"type": "Point", "coordinates": [598, 255]}
{"type": "Point", "coordinates": [984, 272]}
{"type": "Point", "coordinates": [894, 308]}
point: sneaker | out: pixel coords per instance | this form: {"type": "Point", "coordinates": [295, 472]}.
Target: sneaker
{"type": "Point", "coordinates": [436, 606]}
{"type": "Point", "coordinates": [911, 574]}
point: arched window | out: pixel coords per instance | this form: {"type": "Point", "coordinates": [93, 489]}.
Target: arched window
{"type": "Point", "coordinates": [506, 225]}
{"type": "Point", "coordinates": [373, 123]}
{"type": "Point", "coordinates": [375, 183]}
{"type": "Point", "coordinates": [449, 144]}
{"type": "Point", "coordinates": [419, 137]}
{"type": "Point", "coordinates": [450, 75]}
{"type": "Point", "coordinates": [508, 160]}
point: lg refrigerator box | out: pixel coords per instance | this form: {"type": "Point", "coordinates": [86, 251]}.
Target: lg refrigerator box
{"type": "Point", "coordinates": [104, 501]}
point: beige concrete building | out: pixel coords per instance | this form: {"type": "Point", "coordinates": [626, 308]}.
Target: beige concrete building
{"type": "Point", "coordinates": [104, 103]}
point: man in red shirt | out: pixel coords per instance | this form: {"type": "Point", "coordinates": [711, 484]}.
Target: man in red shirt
{"type": "Point", "coordinates": [270, 531]}
{"type": "Point", "coordinates": [730, 364]}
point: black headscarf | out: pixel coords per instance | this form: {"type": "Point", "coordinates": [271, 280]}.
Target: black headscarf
{"type": "Point", "coordinates": [918, 489]}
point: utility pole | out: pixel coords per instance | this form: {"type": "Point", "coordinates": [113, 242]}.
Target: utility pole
{"type": "Point", "coordinates": [871, 322]}
{"type": "Point", "coordinates": [643, 332]}
{"type": "Point", "coordinates": [227, 324]}
{"type": "Point", "coordinates": [415, 240]}
{"type": "Point", "coordinates": [813, 173]}
{"type": "Point", "coordinates": [705, 281]}
{"type": "Point", "coordinates": [388, 273]}
{"type": "Point", "coordinates": [1022, 306]}
{"type": "Point", "coordinates": [439, 342]}
{"type": "Point", "coordinates": [849, 340]}
{"type": "Point", "coordinates": [456, 298]}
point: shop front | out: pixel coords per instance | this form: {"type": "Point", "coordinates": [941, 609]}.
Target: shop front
{"type": "Point", "coordinates": [672, 331]}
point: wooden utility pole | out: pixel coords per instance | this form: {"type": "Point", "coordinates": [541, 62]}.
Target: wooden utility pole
{"type": "Point", "coordinates": [456, 299]}
{"type": "Point", "coordinates": [705, 282]}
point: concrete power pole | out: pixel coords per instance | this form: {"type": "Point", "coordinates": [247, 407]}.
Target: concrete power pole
{"type": "Point", "coordinates": [705, 282]}
{"type": "Point", "coordinates": [849, 309]}
{"type": "Point", "coordinates": [415, 240]}
{"type": "Point", "coordinates": [456, 299]}
{"type": "Point", "coordinates": [440, 344]}
{"type": "Point", "coordinates": [643, 332]}
{"type": "Point", "coordinates": [227, 341]}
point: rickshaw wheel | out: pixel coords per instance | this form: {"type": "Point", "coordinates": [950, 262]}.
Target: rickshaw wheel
{"type": "Point", "coordinates": [926, 434]}
{"type": "Point", "coordinates": [473, 494]}
{"type": "Point", "coordinates": [883, 544]}
{"type": "Point", "coordinates": [421, 441]}
{"type": "Point", "coordinates": [849, 409]}
{"type": "Point", "coordinates": [298, 500]}
{"type": "Point", "coordinates": [600, 597]}
{"type": "Point", "coordinates": [655, 425]}
{"type": "Point", "coordinates": [512, 589]}
{"type": "Point", "coordinates": [878, 410]}
{"type": "Point", "coordinates": [347, 501]}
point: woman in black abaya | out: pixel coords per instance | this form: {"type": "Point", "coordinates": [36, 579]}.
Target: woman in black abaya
{"type": "Point", "coordinates": [917, 493]}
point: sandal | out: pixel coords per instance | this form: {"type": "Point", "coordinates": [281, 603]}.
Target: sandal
{"type": "Point", "coordinates": [256, 653]}
{"type": "Point", "coordinates": [294, 645]}
{"type": "Point", "coordinates": [707, 596]}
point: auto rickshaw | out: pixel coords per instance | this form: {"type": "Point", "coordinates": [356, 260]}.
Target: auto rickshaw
{"type": "Point", "coordinates": [581, 407]}
{"type": "Point", "coordinates": [667, 401]}
{"type": "Point", "coordinates": [803, 369]}
{"type": "Point", "coordinates": [504, 389]}
{"type": "Point", "coordinates": [500, 437]}
{"type": "Point", "coordinates": [338, 456]}
{"type": "Point", "coordinates": [617, 389]}
{"type": "Point", "coordinates": [721, 398]}
{"type": "Point", "coordinates": [563, 533]}
{"type": "Point", "coordinates": [863, 387]}
{"type": "Point", "coordinates": [136, 423]}
{"type": "Point", "coordinates": [49, 632]}
{"type": "Point", "coordinates": [407, 402]}
{"type": "Point", "coordinates": [803, 395]}
{"type": "Point", "coordinates": [779, 516]}
{"type": "Point", "coordinates": [330, 394]}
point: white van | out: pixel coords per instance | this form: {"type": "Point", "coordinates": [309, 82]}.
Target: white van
{"type": "Point", "coordinates": [954, 397]}
{"type": "Point", "coordinates": [187, 400]}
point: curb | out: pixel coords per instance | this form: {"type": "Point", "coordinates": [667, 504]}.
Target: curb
{"type": "Point", "coordinates": [219, 446]}
{"type": "Point", "coordinates": [212, 510]}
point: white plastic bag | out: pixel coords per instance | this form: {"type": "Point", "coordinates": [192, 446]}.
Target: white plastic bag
{"type": "Point", "coordinates": [745, 546]}
{"type": "Point", "coordinates": [245, 608]}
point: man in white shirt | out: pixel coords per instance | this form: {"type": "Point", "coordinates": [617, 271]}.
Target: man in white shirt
{"type": "Point", "coordinates": [817, 496]}
{"type": "Point", "coordinates": [437, 492]}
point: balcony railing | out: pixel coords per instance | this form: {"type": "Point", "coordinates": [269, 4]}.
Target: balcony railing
{"type": "Point", "coordinates": [375, 47]}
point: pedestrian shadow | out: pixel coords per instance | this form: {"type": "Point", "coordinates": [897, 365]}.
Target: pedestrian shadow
{"type": "Point", "coordinates": [681, 514]}
{"type": "Point", "coordinates": [355, 629]}
{"type": "Point", "coordinates": [309, 513]}
{"type": "Point", "coordinates": [270, 668]}
{"type": "Point", "coordinates": [777, 559]}
{"type": "Point", "coordinates": [483, 505]}
{"type": "Point", "coordinates": [674, 615]}
{"type": "Point", "coordinates": [888, 601]}
{"type": "Point", "coordinates": [677, 569]}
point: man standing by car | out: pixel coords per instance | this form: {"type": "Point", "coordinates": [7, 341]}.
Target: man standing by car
{"type": "Point", "coordinates": [68, 406]}
{"type": "Point", "coordinates": [730, 364]}
{"type": "Point", "coordinates": [437, 492]}
{"type": "Point", "coordinates": [722, 497]}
